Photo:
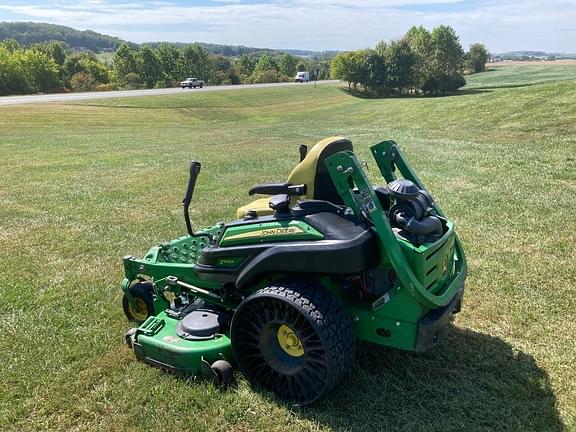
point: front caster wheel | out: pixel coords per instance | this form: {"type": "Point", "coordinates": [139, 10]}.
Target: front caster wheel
{"type": "Point", "coordinates": [293, 339]}
{"type": "Point", "coordinates": [143, 304]}
{"type": "Point", "coordinates": [223, 372]}
{"type": "Point", "coordinates": [129, 337]}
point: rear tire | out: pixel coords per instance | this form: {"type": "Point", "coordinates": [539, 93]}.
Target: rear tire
{"type": "Point", "coordinates": [293, 339]}
{"type": "Point", "coordinates": [144, 302]}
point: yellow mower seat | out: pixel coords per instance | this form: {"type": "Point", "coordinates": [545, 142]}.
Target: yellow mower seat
{"type": "Point", "coordinates": [311, 172]}
{"type": "Point", "coordinates": [260, 206]}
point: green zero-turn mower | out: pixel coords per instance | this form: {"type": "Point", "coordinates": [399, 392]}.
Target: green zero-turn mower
{"type": "Point", "coordinates": [284, 291]}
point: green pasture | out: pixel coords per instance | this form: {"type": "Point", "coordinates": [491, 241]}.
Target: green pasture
{"type": "Point", "coordinates": [84, 183]}
{"type": "Point", "coordinates": [517, 75]}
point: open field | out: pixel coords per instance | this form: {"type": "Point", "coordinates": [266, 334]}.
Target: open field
{"type": "Point", "coordinates": [518, 75]}
{"type": "Point", "coordinates": [84, 183]}
{"type": "Point", "coordinates": [558, 62]}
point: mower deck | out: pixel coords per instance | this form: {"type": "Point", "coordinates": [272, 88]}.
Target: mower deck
{"type": "Point", "coordinates": [157, 341]}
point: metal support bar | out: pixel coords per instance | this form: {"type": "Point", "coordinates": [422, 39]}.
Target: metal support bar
{"type": "Point", "coordinates": [346, 174]}
{"type": "Point", "coordinates": [388, 156]}
{"type": "Point", "coordinates": [173, 280]}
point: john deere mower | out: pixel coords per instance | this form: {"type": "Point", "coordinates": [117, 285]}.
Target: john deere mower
{"type": "Point", "coordinates": [284, 291]}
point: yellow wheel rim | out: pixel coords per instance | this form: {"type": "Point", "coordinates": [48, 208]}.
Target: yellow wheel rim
{"type": "Point", "coordinates": [139, 310]}
{"type": "Point", "coordinates": [289, 342]}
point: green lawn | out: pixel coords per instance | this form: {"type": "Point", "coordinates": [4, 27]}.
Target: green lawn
{"type": "Point", "coordinates": [83, 184]}
{"type": "Point", "coordinates": [521, 75]}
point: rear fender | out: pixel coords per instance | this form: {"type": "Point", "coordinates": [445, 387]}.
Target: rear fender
{"type": "Point", "coordinates": [335, 257]}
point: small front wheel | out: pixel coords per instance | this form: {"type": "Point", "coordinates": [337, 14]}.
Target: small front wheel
{"type": "Point", "coordinates": [143, 305]}
{"type": "Point", "coordinates": [129, 337]}
{"type": "Point", "coordinates": [223, 372]}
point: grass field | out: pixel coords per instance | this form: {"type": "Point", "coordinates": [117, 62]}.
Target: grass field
{"type": "Point", "coordinates": [518, 75]}
{"type": "Point", "coordinates": [83, 184]}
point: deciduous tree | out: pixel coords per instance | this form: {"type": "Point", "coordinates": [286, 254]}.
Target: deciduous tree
{"type": "Point", "coordinates": [420, 41]}
{"type": "Point", "coordinates": [288, 65]}
{"type": "Point", "coordinates": [447, 61]}
{"type": "Point", "coordinates": [126, 62]}
{"type": "Point", "coordinates": [151, 69]}
{"type": "Point", "coordinates": [399, 61]}
{"type": "Point", "coordinates": [477, 57]}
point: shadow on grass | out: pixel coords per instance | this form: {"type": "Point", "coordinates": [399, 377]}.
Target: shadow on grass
{"type": "Point", "coordinates": [462, 92]}
{"type": "Point", "coordinates": [471, 382]}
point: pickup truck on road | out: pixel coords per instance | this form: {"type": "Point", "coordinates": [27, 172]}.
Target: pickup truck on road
{"type": "Point", "coordinates": [192, 83]}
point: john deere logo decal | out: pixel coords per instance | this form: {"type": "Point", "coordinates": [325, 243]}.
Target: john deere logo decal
{"type": "Point", "coordinates": [270, 232]}
{"type": "Point", "coordinates": [281, 231]}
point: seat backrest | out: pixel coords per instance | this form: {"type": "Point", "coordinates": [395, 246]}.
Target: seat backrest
{"type": "Point", "coordinates": [312, 171]}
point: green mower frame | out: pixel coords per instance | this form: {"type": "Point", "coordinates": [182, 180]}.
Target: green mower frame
{"type": "Point", "coordinates": [416, 288]}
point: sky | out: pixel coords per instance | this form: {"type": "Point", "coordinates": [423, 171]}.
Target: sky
{"type": "Point", "coordinates": [505, 25]}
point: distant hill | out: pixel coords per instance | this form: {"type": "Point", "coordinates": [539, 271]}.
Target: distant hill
{"type": "Point", "coordinates": [527, 55]}
{"type": "Point", "coordinates": [225, 50]}
{"type": "Point", "coordinates": [27, 33]}
{"type": "Point", "coordinates": [238, 50]}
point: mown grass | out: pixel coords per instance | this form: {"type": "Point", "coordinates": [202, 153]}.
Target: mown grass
{"type": "Point", "coordinates": [521, 75]}
{"type": "Point", "coordinates": [85, 183]}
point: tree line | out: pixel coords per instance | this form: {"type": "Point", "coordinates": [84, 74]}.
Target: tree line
{"type": "Point", "coordinates": [165, 65]}
{"type": "Point", "coordinates": [52, 67]}
{"type": "Point", "coordinates": [421, 62]}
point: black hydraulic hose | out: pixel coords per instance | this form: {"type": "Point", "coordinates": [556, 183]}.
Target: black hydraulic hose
{"type": "Point", "coordinates": [430, 225]}
{"type": "Point", "coordinates": [194, 171]}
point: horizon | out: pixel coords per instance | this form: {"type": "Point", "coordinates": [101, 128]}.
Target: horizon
{"type": "Point", "coordinates": [331, 25]}
{"type": "Point", "coordinates": [281, 49]}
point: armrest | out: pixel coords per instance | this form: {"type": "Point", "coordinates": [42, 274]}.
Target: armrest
{"type": "Point", "coordinates": [277, 189]}
{"type": "Point", "coordinates": [280, 203]}
{"type": "Point", "coordinates": [307, 207]}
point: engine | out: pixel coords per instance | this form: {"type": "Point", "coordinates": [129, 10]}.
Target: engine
{"type": "Point", "coordinates": [410, 211]}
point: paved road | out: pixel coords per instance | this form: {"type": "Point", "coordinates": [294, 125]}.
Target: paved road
{"type": "Point", "coordinates": [17, 100]}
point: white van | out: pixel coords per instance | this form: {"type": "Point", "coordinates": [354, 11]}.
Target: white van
{"type": "Point", "coordinates": [302, 77]}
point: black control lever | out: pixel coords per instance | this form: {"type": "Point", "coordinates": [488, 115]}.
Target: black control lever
{"type": "Point", "coordinates": [194, 171]}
